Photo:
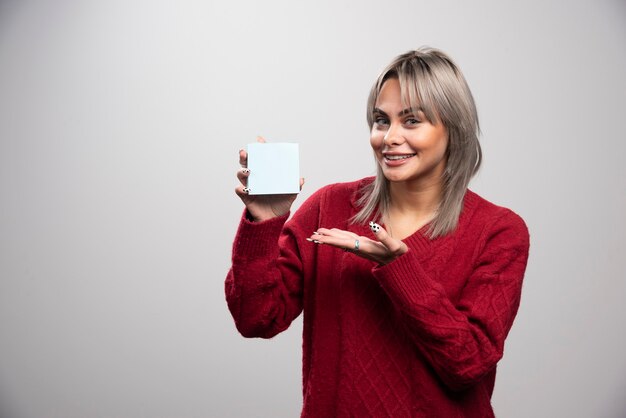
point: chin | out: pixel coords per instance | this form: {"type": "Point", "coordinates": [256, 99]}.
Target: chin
{"type": "Point", "coordinates": [394, 178]}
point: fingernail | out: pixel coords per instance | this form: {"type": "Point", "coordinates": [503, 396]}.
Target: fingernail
{"type": "Point", "coordinates": [246, 190]}
{"type": "Point", "coordinates": [374, 227]}
{"type": "Point", "coordinates": [314, 241]}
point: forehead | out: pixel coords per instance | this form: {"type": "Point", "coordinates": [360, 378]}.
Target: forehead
{"type": "Point", "coordinates": [392, 99]}
{"type": "Point", "coordinates": [390, 93]}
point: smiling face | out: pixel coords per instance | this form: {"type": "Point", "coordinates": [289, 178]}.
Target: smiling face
{"type": "Point", "coordinates": [407, 146]}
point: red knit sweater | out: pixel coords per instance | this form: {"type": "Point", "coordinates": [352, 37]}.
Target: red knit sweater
{"type": "Point", "coordinates": [418, 337]}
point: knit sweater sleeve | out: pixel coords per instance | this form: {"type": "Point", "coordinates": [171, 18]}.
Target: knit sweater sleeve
{"type": "Point", "coordinates": [264, 287]}
{"type": "Point", "coordinates": [463, 341]}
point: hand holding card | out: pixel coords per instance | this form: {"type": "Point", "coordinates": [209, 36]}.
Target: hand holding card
{"type": "Point", "coordinates": [269, 179]}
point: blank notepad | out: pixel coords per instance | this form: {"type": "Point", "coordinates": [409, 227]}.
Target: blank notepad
{"type": "Point", "coordinates": [274, 168]}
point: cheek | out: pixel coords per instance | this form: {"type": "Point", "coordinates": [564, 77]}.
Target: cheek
{"type": "Point", "coordinates": [376, 139]}
{"type": "Point", "coordinates": [437, 142]}
{"type": "Point", "coordinates": [444, 145]}
{"type": "Point", "coordinates": [443, 138]}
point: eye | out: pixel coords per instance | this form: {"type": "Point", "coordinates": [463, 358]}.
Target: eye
{"type": "Point", "coordinates": [380, 120]}
{"type": "Point", "coordinates": [411, 121]}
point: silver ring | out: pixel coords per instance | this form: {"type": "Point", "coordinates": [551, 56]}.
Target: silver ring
{"type": "Point", "coordinates": [356, 245]}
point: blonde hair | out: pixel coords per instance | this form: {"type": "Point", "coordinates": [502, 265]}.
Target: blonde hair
{"type": "Point", "coordinates": [431, 81]}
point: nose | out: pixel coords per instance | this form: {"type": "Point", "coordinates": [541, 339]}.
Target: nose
{"type": "Point", "coordinates": [393, 136]}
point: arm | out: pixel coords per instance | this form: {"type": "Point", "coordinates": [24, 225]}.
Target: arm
{"type": "Point", "coordinates": [463, 341]}
{"type": "Point", "coordinates": [264, 287]}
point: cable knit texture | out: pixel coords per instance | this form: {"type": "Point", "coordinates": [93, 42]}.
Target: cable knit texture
{"type": "Point", "coordinates": [418, 337]}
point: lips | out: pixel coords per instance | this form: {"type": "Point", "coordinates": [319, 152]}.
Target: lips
{"type": "Point", "coordinates": [396, 159]}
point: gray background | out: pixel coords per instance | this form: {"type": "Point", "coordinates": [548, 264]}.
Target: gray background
{"type": "Point", "coordinates": [120, 123]}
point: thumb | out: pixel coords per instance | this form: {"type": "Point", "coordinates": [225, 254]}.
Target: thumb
{"type": "Point", "coordinates": [394, 245]}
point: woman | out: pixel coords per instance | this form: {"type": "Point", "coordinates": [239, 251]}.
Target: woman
{"type": "Point", "coordinates": [409, 320]}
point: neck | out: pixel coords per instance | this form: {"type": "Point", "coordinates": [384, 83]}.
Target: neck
{"type": "Point", "coordinates": [409, 199]}
{"type": "Point", "coordinates": [410, 207]}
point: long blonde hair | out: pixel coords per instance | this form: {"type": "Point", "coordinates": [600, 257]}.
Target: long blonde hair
{"type": "Point", "coordinates": [431, 81]}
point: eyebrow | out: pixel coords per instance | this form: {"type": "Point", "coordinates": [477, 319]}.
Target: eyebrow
{"type": "Point", "coordinates": [407, 111]}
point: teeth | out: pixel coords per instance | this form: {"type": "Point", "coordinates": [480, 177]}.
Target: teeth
{"type": "Point", "coordinates": [398, 157]}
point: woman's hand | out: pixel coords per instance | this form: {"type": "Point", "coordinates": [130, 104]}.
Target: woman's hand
{"type": "Point", "coordinates": [261, 207]}
{"type": "Point", "coordinates": [383, 251]}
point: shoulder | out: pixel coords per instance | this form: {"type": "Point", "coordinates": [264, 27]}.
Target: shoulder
{"type": "Point", "coordinates": [492, 219]}
{"type": "Point", "coordinates": [484, 211]}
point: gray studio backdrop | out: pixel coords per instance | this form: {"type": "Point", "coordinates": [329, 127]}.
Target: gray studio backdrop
{"type": "Point", "coordinates": [120, 123]}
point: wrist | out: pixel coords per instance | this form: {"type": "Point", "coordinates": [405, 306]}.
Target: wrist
{"type": "Point", "coordinates": [262, 217]}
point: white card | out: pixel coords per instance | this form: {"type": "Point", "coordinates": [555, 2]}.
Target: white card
{"type": "Point", "coordinates": [274, 168]}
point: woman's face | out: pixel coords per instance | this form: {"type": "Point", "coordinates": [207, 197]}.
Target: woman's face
{"type": "Point", "coordinates": [407, 146]}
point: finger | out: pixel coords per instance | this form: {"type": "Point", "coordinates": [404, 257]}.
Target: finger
{"type": "Point", "coordinates": [243, 158]}
{"type": "Point", "coordinates": [330, 236]}
{"type": "Point", "coordinates": [242, 192]}
{"type": "Point", "coordinates": [336, 232]}
{"type": "Point", "coordinates": [394, 245]}
{"type": "Point", "coordinates": [367, 248]}
{"type": "Point", "coordinates": [243, 155]}
{"type": "Point", "coordinates": [301, 183]}
{"type": "Point", "coordinates": [343, 242]}
{"type": "Point", "coordinates": [242, 175]}
{"type": "Point", "coordinates": [336, 237]}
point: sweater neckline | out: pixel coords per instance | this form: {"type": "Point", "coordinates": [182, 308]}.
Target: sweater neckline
{"type": "Point", "coordinates": [421, 242]}
{"type": "Point", "coordinates": [418, 239]}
